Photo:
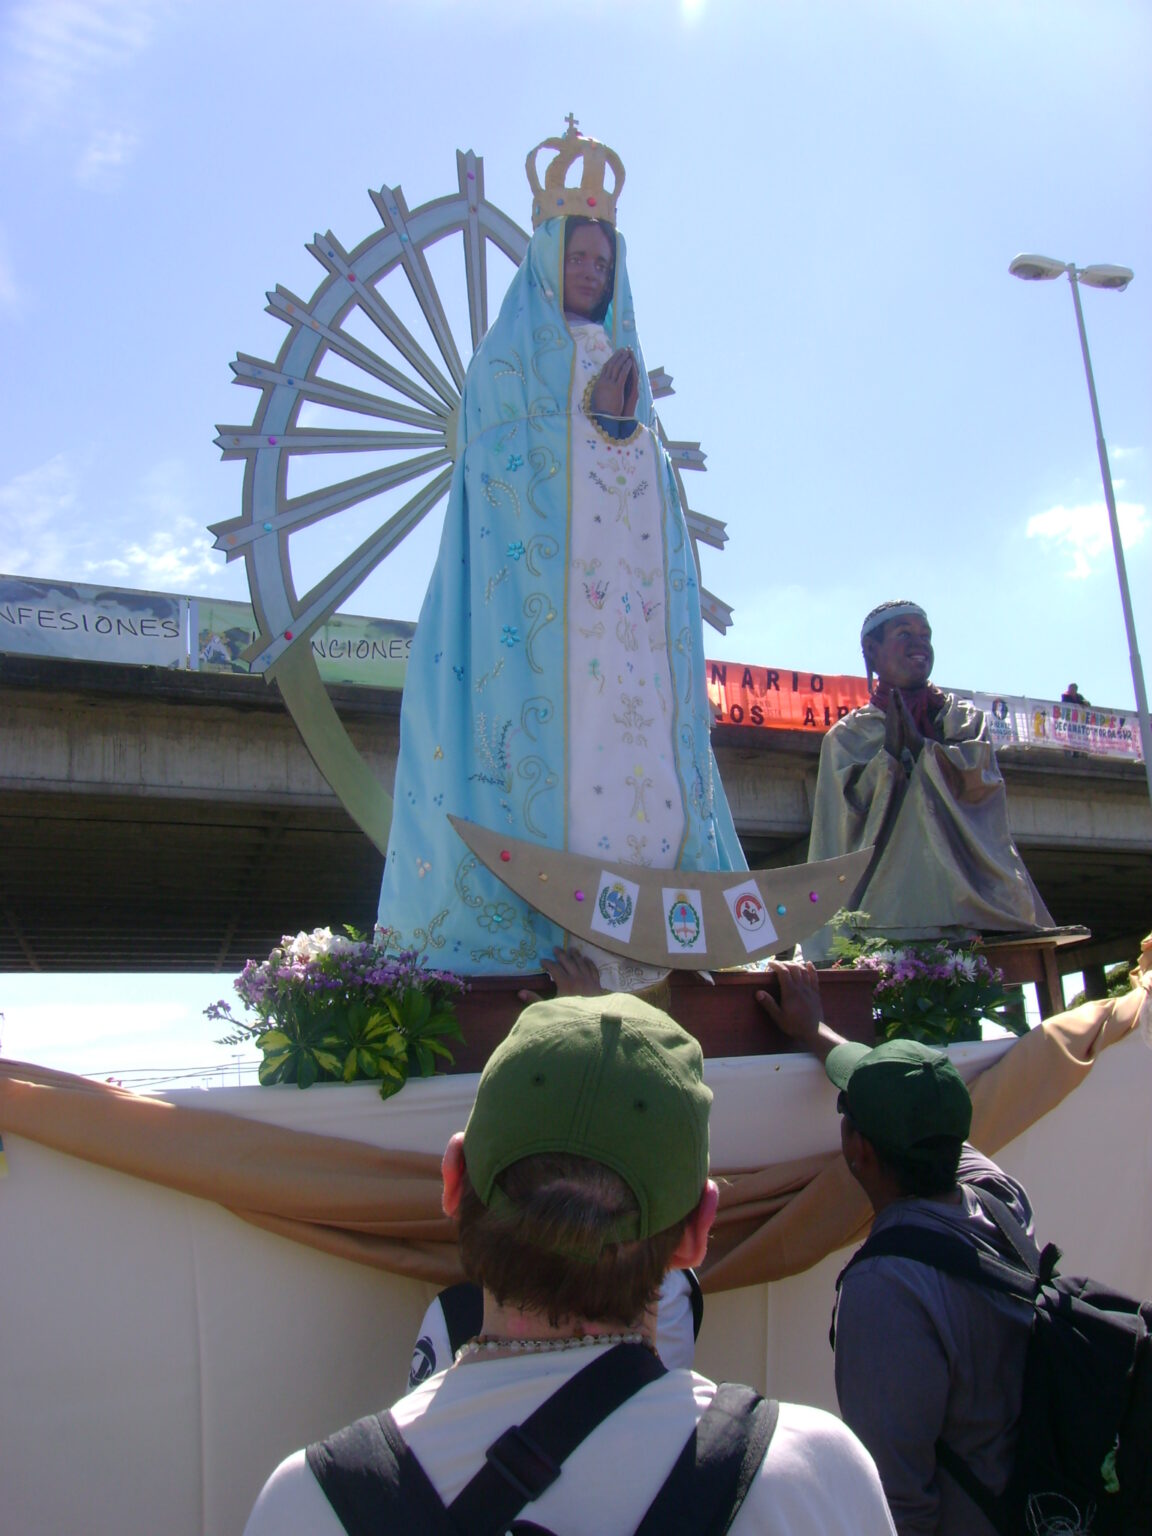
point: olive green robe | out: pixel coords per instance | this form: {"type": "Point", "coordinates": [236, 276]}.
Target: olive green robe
{"type": "Point", "coordinates": [946, 863]}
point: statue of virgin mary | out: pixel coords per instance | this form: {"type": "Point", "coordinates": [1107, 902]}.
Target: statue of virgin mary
{"type": "Point", "coordinates": [556, 688]}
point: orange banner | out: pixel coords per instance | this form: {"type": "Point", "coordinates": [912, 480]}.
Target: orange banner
{"type": "Point", "coordinates": [776, 699]}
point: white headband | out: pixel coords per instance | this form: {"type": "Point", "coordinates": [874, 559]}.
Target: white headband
{"type": "Point", "coordinates": [880, 616]}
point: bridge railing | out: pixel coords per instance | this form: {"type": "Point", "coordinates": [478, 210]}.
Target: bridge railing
{"type": "Point", "coordinates": [186, 633]}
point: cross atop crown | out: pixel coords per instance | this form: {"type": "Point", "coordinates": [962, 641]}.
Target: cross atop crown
{"type": "Point", "coordinates": [592, 198]}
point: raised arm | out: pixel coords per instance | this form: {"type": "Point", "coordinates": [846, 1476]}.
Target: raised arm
{"type": "Point", "coordinates": [800, 1011]}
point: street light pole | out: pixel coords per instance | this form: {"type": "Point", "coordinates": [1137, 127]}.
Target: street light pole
{"type": "Point", "coordinates": [1044, 268]}
{"type": "Point", "coordinates": [1117, 544]}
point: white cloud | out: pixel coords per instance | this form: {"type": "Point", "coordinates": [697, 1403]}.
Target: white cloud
{"type": "Point", "coordinates": [178, 558]}
{"type": "Point", "coordinates": [56, 48]}
{"type": "Point", "coordinates": [106, 151]}
{"type": "Point", "coordinates": [157, 541]}
{"type": "Point", "coordinates": [36, 511]}
{"type": "Point", "coordinates": [1082, 533]}
{"type": "Point", "coordinates": [1116, 454]}
{"type": "Point", "coordinates": [176, 553]}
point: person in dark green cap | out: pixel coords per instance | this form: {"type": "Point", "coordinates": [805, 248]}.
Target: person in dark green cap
{"type": "Point", "coordinates": [921, 1355]}
{"type": "Point", "coordinates": [580, 1180]}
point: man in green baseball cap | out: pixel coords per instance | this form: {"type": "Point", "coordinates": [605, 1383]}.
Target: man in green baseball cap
{"type": "Point", "coordinates": [617, 1083]}
{"type": "Point", "coordinates": [905, 1116]}
{"type": "Point", "coordinates": [580, 1180]}
{"type": "Point", "coordinates": [921, 1355]}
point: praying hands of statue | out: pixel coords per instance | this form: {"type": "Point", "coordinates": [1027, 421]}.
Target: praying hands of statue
{"type": "Point", "coordinates": [617, 389]}
{"type": "Point", "coordinates": [902, 738]}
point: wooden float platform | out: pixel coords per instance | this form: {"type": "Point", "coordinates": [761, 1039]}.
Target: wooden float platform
{"type": "Point", "coordinates": [723, 1014]}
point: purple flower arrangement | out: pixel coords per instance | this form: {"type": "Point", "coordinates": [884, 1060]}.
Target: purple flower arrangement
{"type": "Point", "coordinates": [342, 1008]}
{"type": "Point", "coordinates": [935, 991]}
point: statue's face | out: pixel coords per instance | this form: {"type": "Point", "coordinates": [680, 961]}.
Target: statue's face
{"type": "Point", "coordinates": [902, 657]}
{"type": "Point", "coordinates": [587, 269]}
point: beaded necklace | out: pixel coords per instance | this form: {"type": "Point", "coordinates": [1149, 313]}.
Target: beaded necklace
{"type": "Point", "coordinates": [486, 1343]}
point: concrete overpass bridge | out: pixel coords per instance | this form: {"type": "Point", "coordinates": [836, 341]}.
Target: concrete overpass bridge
{"type": "Point", "coordinates": [156, 820]}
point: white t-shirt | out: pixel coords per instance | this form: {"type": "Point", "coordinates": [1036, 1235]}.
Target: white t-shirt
{"type": "Point", "coordinates": [675, 1332]}
{"type": "Point", "coordinates": [816, 1480]}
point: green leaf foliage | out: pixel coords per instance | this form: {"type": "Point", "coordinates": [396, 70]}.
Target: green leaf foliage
{"type": "Point", "coordinates": [344, 1009]}
{"type": "Point", "coordinates": [936, 991]}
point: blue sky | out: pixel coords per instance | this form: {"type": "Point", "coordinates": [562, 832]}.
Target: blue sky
{"type": "Point", "coordinates": [822, 199]}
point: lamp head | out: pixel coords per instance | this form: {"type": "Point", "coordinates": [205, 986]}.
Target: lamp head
{"type": "Point", "coordinates": [1037, 269]}
{"type": "Point", "coordinates": [1104, 275]}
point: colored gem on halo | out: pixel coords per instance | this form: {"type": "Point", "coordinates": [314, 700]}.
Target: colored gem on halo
{"type": "Point", "coordinates": [267, 527]}
{"type": "Point", "coordinates": [781, 909]}
{"type": "Point", "coordinates": [272, 440]}
{"type": "Point", "coordinates": [579, 895]}
{"type": "Point", "coordinates": [287, 634]}
{"type": "Point", "coordinates": [591, 202]}
{"type": "Point", "coordinates": [813, 895]}
{"type": "Point", "coordinates": [505, 856]}
{"type": "Point", "coordinates": [471, 175]}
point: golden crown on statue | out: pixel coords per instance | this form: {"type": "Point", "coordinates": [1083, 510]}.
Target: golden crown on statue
{"type": "Point", "coordinates": [555, 199]}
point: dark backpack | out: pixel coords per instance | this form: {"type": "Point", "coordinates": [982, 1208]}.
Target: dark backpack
{"type": "Point", "coordinates": [1085, 1429]}
{"type": "Point", "coordinates": [374, 1483]}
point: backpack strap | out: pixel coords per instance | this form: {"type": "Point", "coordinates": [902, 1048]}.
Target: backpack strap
{"type": "Point", "coordinates": [463, 1309]}
{"type": "Point", "coordinates": [526, 1459]}
{"type": "Point", "coordinates": [992, 1507]}
{"type": "Point", "coordinates": [696, 1300]}
{"type": "Point", "coordinates": [713, 1473]}
{"type": "Point", "coordinates": [955, 1255]}
{"type": "Point", "coordinates": [373, 1482]}
{"type": "Point", "coordinates": [1039, 1262]}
